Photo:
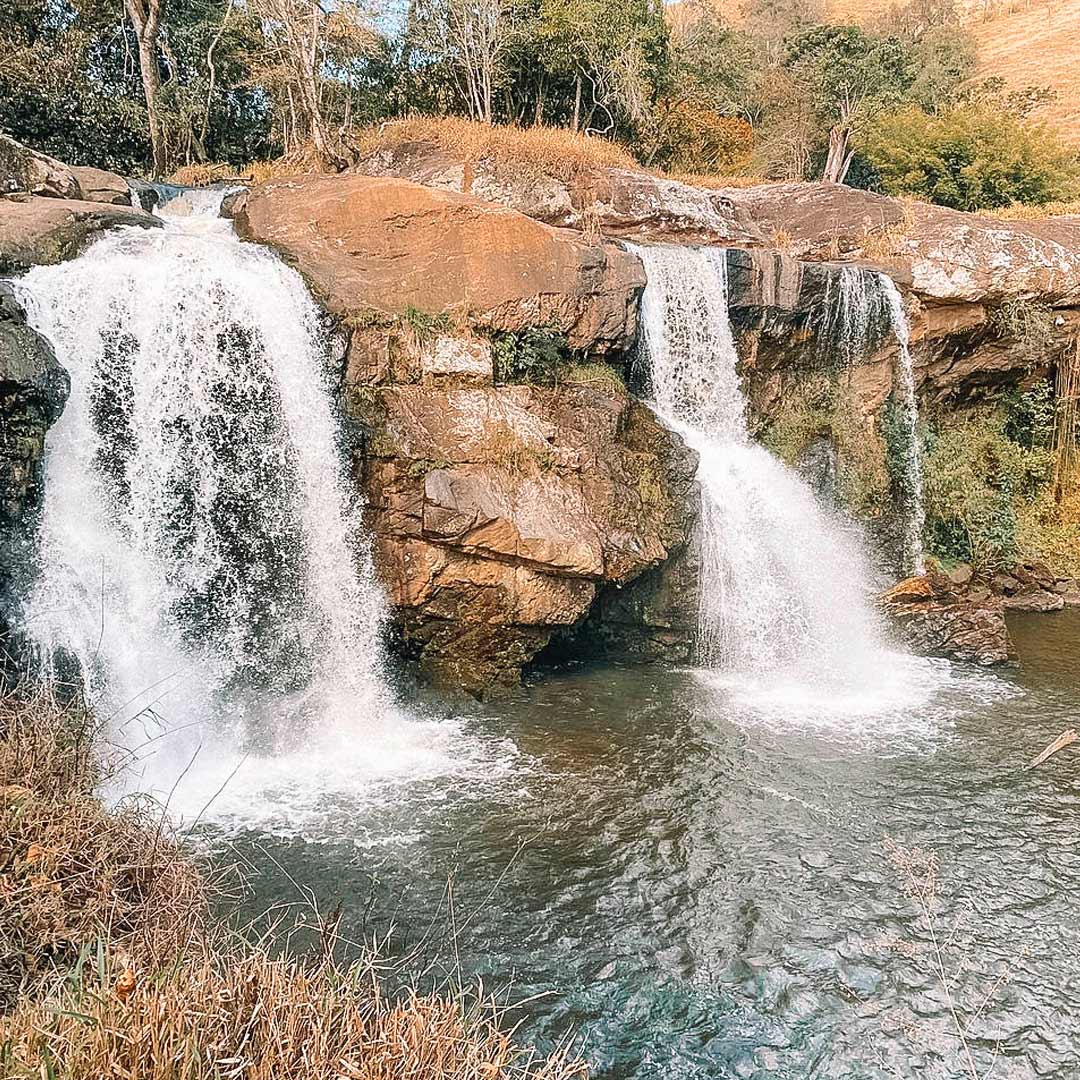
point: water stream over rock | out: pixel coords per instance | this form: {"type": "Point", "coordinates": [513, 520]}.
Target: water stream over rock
{"type": "Point", "coordinates": [203, 569]}
{"type": "Point", "coordinates": [784, 585]}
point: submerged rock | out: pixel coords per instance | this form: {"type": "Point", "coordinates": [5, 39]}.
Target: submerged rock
{"type": "Point", "coordinates": [934, 617]}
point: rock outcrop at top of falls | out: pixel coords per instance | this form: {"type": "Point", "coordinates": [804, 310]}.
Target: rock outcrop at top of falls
{"type": "Point", "coordinates": [946, 256]}
{"type": "Point", "coordinates": [49, 210]}
{"type": "Point", "coordinates": [376, 245]}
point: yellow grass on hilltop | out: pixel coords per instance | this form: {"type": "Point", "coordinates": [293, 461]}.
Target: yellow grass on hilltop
{"type": "Point", "coordinates": [552, 150]}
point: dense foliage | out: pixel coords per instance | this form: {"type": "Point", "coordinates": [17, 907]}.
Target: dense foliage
{"type": "Point", "coordinates": [779, 93]}
{"type": "Point", "coordinates": [969, 157]}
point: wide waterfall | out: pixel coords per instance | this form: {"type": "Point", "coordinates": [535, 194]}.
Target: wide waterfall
{"type": "Point", "coordinates": [784, 586]}
{"type": "Point", "coordinates": [202, 559]}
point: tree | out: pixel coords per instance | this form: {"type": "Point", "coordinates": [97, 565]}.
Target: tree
{"type": "Point", "coordinates": [970, 157]}
{"type": "Point", "coordinates": [848, 76]}
{"type": "Point", "coordinates": [145, 17]}
{"type": "Point", "coordinates": [306, 64]}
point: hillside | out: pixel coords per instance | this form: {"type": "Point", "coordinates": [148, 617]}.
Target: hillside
{"type": "Point", "coordinates": [1028, 43]}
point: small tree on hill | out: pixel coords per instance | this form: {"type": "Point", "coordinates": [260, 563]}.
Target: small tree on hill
{"type": "Point", "coordinates": [849, 76]}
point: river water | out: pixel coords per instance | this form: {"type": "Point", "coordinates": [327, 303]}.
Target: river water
{"type": "Point", "coordinates": [702, 890]}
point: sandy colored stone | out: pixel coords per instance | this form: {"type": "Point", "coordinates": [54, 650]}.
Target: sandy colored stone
{"type": "Point", "coordinates": [38, 230]}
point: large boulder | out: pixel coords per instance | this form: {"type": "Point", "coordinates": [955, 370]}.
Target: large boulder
{"type": "Point", "coordinates": [26, 170]}
{"type": "Point", "coordinates": [949, 256]}
{"type": "Point", "coordinates": [935, 617]}
{"type": "Point", "coordinates": [622, 202]}
{"type": "Point", "coordinates": [368, 244]}
{"type": "Point", "coordinates": [33, 390]}
{"type": "Point", "coordinates": [38, 231]}
{"type": "Point", "coordinates": [99, 185]}
{"type": "Point", "coordinates": [500, 512]}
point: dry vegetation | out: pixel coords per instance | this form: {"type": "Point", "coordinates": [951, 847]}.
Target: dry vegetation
{"type": "Point", "coordinates": [109, 965]}
{"type": "Point", "coordinates": [554, 151]}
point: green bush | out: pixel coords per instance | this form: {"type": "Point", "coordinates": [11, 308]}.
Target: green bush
{"type": "Point", "coordinates": [970, 157]}
{"type": "Point", "coordinates": [533, 355]}
{"type": "Point", "coordinates": [975, 477]}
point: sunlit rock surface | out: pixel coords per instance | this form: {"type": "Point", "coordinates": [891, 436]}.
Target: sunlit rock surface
{"type": "Point", "coordinates": [501, 512]}
{"type": "Point", "coordinates": [385, 245]}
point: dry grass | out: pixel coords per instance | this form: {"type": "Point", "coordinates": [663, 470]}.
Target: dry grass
{"type": "Point", "coordinates": [1025, 212]}
{"type": "Point", "coordinates": [550, 150]}
{"type": "Point", "coordinates": [216, 1013]}
{"type": "Point", "coordinates": [70, 871]}
{"type": "Point", "coordinates": [109, 966]}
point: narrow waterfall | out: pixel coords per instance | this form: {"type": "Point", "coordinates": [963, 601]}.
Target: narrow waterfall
{"type": "Point", "coordinates": [784, 586]}
{"type": "Point", "coordinates": [202, 559]}
{"type": "Point", "coordinates": [859, 309]}
{"type": "Point", "coordinates": [915, 518]}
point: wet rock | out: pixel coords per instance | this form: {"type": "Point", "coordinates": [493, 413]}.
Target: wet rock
{"type": "Point", "coordinates": [933, 617]}
{"type": "Point", "coordinates": [384, 245]}
{"type": "Point", "coordinates": [500, 513]}
{"type": "Point", "coordinates": [1034, 598]}
{"type": "Point", "coordinates": [36, 231]}
{"type": "Point", "coordinates": [33, 390]}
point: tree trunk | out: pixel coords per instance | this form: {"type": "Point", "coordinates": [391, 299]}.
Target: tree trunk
{"type": "Point", "coordinates": [577, 101]}
{"type": "Point", "coordinates": [145, 16]}
{"type": "Point", "coordinates": [839, 160]}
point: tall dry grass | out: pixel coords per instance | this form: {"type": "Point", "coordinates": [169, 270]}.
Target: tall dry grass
{"type": "Point", "coordinates": [554, 151]}
{"type": "Point", "coordinates": [111, 966]}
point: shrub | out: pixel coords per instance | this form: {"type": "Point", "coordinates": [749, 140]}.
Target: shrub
{"type": "Point", "coordinates": [975, 479]}
{"type": "Point", "coordinates": [533, 355]}
{"type": "Point", "coordinates": [969, 157]}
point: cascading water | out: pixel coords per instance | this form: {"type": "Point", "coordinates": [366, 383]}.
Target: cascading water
{"type": "Point", "coordinates": [909, 406]}
{"type": "Point", "coordinates": [858, 304]}
{"type": "Point", "coordinates": [202, 561]}
{"type": "Point", "coordinates": [784, 586]}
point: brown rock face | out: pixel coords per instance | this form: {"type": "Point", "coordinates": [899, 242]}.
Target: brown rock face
{"type": "Point", "coordinates": [382, 244]}
{"type": "Point", "coordinates": [97, 185]}
{"type": "Point", "coordinates": [932, 616]}
{"type": "Point", "coordinates": [36, 231]}
{"type": "Point", "coordinates": [500, 512]}
{"type": "Point", "coordinates": [25, 170]}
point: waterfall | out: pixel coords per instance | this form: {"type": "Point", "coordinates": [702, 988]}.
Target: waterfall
{"type": "Point", "coordinates": [202, 558]}
{"type": "Point", "coordinates": [859, 308]}
{"type": "Point", "coordinates": [909, 406]}
{"type": "Point", "coordinates": [784, 586]}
